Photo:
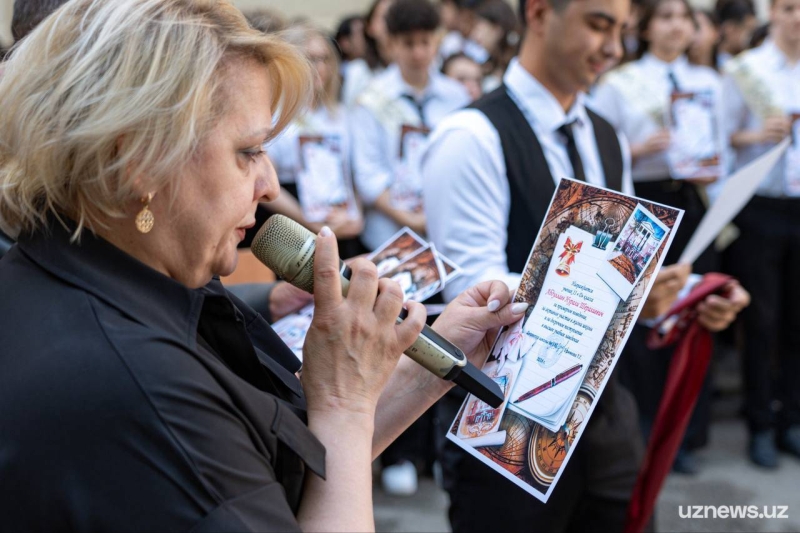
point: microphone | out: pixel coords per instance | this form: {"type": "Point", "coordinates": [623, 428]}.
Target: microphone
{"type": "Point", "coordinates": [287, 248]}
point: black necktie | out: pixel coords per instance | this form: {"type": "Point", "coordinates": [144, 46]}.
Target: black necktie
{"type": "Point", "coordinates": [673, 81]}
{"type": "Point", "coordinates": [420, 105]}
{"type": "Point", "coordinates": [572, 151]}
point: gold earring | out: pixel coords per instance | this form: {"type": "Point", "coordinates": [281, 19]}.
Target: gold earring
{"type": "Point", "coordinates": [145, 218]}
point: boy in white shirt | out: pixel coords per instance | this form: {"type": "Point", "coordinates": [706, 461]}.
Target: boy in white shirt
{"type": "Point", "coordinates": [391, 120]}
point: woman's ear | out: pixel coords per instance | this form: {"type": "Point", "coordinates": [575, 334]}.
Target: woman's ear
{"type": "Point", "coordinates": [131, 179]}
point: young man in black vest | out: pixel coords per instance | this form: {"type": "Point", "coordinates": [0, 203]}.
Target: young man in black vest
{"type": "Point", "coordinates": [488, 175]}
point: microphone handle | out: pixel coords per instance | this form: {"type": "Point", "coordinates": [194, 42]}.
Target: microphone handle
{"type": "Point", "coordinates": [442, 358]}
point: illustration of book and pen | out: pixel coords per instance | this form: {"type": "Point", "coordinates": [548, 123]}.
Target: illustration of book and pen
{"type": "Point", "coordinates": [593, 261]}
{"type": "Point", "coordinates": [560, 378]}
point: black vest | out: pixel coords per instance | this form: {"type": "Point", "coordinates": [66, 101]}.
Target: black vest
{"type": "Point", "coordinates": [530, 182]}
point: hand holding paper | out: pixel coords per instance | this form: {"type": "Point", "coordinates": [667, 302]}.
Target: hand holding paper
{"type": "Point", "coordinates": [738, 189]}
{"type": "Point", "coordinates": [717, 312]}
{"type": "Point", "coordinates": [472, 324]}
{"type": "Point", "coordinates": [669, 282]}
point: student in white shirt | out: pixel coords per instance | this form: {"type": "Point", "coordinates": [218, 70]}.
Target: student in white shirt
{"type": "Point", "coordinates": [636, 99]}
{"type": "Point", "coordinates": [737, 22]}
{"type": "Point", "coordinates": [410, 95]}
{"type": "Point", "coordinates": [326, 118]}
{"type": "Point", "coordinates": [359, 72]}
{"type": "Point", "coordinates": [762, 100]}
{"type": "Point", "coordinates": [483, 202]}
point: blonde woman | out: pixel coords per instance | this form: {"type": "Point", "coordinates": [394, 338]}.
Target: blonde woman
{"type": "Point", "coordinates": [137, 393]}
{"type": "Point", "coordinates": [324, 127]}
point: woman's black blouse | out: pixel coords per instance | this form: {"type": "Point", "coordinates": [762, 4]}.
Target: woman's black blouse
{"type": "Point", "coordinates": [129, 402]}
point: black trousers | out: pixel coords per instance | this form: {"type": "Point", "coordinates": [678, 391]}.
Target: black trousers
{"type": "Point", "coordinates": [416, 444]}
{"type": "Point", "coordinates": [591, 495]}
{"type": "Point", "coordinates": [766, 259]}
{"type": "Point", "coordinates": [644, 371]}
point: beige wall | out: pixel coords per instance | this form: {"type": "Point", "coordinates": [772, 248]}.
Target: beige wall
{"type": "Point", "coordinates": [323, 12]}
{"type": "Point", "coordinates": [5, 22]}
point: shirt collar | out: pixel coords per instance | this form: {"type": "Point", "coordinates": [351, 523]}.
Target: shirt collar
{"type": "Point", "coordinates": [651, 61]}
{"type": "Point", "coordinates": [397, 86]}
{"type": "Point", "coordinates": [103, 270]}
{"type": "Point", "coordinates": [539, 104]}
{"type": "Point", "coordinates": [773, 56]}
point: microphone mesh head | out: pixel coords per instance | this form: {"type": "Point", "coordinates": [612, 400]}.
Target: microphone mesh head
{"type": "Point", "coordinates": [278, 244]}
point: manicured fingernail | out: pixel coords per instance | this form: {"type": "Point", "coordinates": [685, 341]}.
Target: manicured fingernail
{"type": "Point", "coordinates": [325, 232]}
{"type": "Point", "coordinates": [493, 306]}
{"type": "Point", "coordinates": [519, 308]}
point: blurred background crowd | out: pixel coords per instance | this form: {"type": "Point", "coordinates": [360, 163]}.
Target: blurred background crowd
{"type": "Point", "coordinates": [416, 61]}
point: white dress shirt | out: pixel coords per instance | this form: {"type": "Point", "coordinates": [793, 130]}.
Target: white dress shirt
{"type": "Point", "coordinates": [356, 76]}
{"type": "Point", "coordinates": [784, 80]}
{"type": "Point", "coordinates": [284, 151]}
{"type": "Point", "coordinates": [638, 125]}
{"type": "Point", "coordinates": [466, 191]}
{"type": "Point", "coordinates": [376, 143]}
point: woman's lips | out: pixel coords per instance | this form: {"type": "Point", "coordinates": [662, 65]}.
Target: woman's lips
{"type": "Point", "coordinates": [241, 231]}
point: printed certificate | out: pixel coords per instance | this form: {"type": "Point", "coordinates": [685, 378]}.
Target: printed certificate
{"type": "Point", "coordinates": [554, 363]}
{"type": "Point", "coordinates": [321, 181]}
{"type": "Point", "coordinates": [406, 190]}
{"type": "Point", "coordinates": [635, 247]}
{"type": "Point", "coordinates": [564, 330]}
{"type": "Point", "coordinates": [420, 275]}
{"type": "Point", "coordinates": [406, 258]}
{"type": "Point", "coordinates": [695, 150]}
{"type": "Point", "coordinates": [293, 328]}
{"type": "Point", "coordinates": [401, 245]}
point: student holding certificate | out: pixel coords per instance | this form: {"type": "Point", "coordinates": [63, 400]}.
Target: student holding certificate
{"type": "Point", "coordinates": [762, 99]}
{"type": "Point", "coordinates": [480, 215]}
{"type": "Point", "coordinates": [670, 111]}
{"type": "Point", "coordinates": [312, 157]}
{"type": "Point", "coordinates": [485, 217]}
{"type": "Point", "coordinates": [392, 119]}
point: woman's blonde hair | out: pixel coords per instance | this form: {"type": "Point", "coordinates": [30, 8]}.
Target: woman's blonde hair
{"type": "Point", "coordinates": [300, 35]}
{"type": "Point", "coordinates": [105, 92]}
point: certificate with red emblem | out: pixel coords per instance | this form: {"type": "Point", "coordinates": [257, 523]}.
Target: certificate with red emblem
{"type": "Point", "coordinates": [591, 268]}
